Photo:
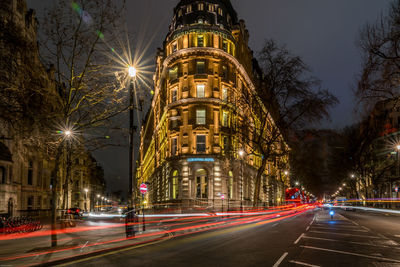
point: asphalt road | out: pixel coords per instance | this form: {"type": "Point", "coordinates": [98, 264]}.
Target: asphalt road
{"type": "Point", "coordinates": [309, 239]}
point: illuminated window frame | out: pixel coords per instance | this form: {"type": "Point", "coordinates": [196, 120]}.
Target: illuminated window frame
{"type": "Point", "coordinates": [200, 90]}
{"type": "Point", "coordinates": [201, 115]}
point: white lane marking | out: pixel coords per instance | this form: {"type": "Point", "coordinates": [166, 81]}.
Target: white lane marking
{"type": "Point", "coordinates": [351, 242]}
{"type": "Point", "coordinates": [304, 264]}
{"type": "Point", "coordinates": [397, 235]}
{"type": "Point", "coordinates": [351, 253]}
{"type": "Point", "coordinates": [308, 227]}
{"type": "Point", "coordinates": [337, 229]}
{"type": "Point", "coordinates": [355, 223]}
{"type": "Point", "coordinates": [298, 239]}
{"type": "Point", "coordinates": [330, 233]}
{"type": "Point", "coordinates": [280, 259]}
{"type": "Point", "coordinates": [382, 236]}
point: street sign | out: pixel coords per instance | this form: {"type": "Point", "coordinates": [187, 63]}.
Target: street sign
{"type": "Point", "coordinates": [396, 189]}
{"type": "Point", "coordinates": [143, 189]}
{"type": "Point", "coordinates": [222, 196]}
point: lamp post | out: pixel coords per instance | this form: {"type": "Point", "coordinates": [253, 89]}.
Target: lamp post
{"type": "Point", "coordinates": [132, 73]}
{"type": "Point", "coordinates": [241, 154]}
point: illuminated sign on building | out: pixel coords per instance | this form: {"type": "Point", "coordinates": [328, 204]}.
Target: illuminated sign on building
{"type": "Point", "coordinates": [200, 160]}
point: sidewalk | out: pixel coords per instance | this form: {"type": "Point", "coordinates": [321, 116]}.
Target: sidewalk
{"type": "Point", "coordinates": [35, 248]}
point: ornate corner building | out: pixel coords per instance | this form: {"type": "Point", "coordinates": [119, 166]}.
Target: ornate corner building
{"type": "Point", "coordinates": [189, 150]}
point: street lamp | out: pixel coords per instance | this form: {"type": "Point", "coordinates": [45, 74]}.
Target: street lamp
{"type": "Point", "coordinates": [132, 72]}
{"type": "Point", "coordinates": [296, 183]}
{"type": "Point", "coordinates": [97, 202]}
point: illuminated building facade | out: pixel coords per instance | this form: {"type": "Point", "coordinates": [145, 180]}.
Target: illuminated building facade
{"type": "Point", "coordinates": [189, 150]}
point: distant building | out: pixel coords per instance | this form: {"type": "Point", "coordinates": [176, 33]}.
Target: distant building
{"type": "Point", "coordinates": [27, 91]}
{"type": "Point", "coordinates": [189, 151]}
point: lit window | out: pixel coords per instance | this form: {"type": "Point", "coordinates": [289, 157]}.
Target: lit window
{"type": "Point", "coordinates": [224, 72]}
{"type": "Point", "coordinates": [180, 13]}
{"type": "Point", "coordinates": [211, 8]}
{"type": "Point", "coordinates": [200, 90]}
{"type": "Point", "coordinates": [201, 6]}
{"type": "Point", "coordinates": [200, 40]}
{"type": "Point", "coordinates": [225, 118]}
{"type": "Point", "coordinates": [230, 185]}
{"type": "Point", "coordinates": [201, 143]}
{"type": "Point", "coordinates": [200, 116]}
{"type": "Point", "coordinates": [220, 12]}
{"type": "Point", "coordinates": [200, 67]}
{"type": "Point", "coordinates": [189, 9]}
{"type": "Point", "coordinates": [175, 185]}
{"type": "Point", "coordinates": [174, 47]}
{"type": "Point", "coordinates": [201, 184]}
{"type": "Point", "coordinates": [174, 95]}
{"type": "Point", "coordinates": [225, 94]}
{"type": "Point", "coordinates": [174, 146]}
{"type": "Point", "coordinates": [173, 73]}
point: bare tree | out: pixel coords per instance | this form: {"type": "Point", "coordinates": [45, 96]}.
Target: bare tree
{"type": "Point", "coordinates": [285, 98]}
{"type": "Point", "coordinates": [380, 46]}
{"type": "Point", "coordinates": [86, 43]}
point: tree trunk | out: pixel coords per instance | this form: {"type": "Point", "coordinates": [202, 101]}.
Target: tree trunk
{"type": "Point", "coordinates": [257, 183]}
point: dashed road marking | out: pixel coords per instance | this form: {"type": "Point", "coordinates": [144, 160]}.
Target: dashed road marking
{"type": "Point", "coordinates": [351, 242]}
{"type": "Point", "coordinates": [304, 264]}
{"type": "Point", "coordinates": [280, 259]}
{"type": "Point", "coordinates": [337, 229]}
{"type": "Point", "coordinates": [298, 239]}
{"type": "Point", "coordinates": [308, 227]}
{"type": "Point", "coordinates": [351, 253]}
{"type": "Point", "coordinates": [330, 233]}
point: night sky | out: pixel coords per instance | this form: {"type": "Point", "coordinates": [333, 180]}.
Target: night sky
{"type": "Point", "coordinates": [323, 32]}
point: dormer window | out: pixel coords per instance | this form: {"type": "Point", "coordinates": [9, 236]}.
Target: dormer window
{"type": "Point", "coordinates": [200, 40]}
{"type": "Point", "coordinates": [174, 47]}
{"type": "Point", "coordinates": [211, 8]}
{"type": "Point", "coordinates": [188, 8]}
{"type": "Point", "coordinates": [220, 12]}
{"type": "Point", "coordinates": [180, 13]}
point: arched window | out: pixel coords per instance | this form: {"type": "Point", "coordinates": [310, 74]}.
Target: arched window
{"type": "Point", "coordinates": [230, 185]}
{"type": "Point", "coordinates": [201, 184]}
{"type": "Point", "coordinates": [175, 185]}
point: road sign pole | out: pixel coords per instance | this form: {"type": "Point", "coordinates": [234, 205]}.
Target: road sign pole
{"type": "Point", "coordinates": [144, 224]}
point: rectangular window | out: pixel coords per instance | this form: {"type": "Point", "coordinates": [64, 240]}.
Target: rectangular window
{"type": "Point", "coordinates": [226, 144]}
{"type": "Point", "coordinates": [180, 13]}
{"type": "Point", "coordinates": [200, 67]}
{"type": "Point", "coordinates": [174, 95]}
{"type": "Point", "coordinates": [225, 45]}
{"type": "Point", "coordinates": [174, 47]}
{"type": "Point", "coordinates": [225, 118]}
{"type": "Point", "coordinates": [225, 94]}
{"type": "Point", "coordinates": [30, 173]}
{"type": "Point", "coordinates": [174, 146]}
{"type": "Point", "coordinates": [200, 116]}
{"type": "Point", "coordinates": [225, 72]}
{"type": "Point", "coordinates": [200, 41]}
{"type": "Point", "coordinates": [211, 8]}
{"type": "Point", "coordinates": [189, 9]}
{"type": "Point", "coordinates": [200, 6]}
{"type": "Point", "coordinates": [173, 73]}
{"type": "Point", "coordinates": [220, 12]}
{"type": "Point", "coordinates": [200, 90]}
{"type": "Point", "coordinates": [201, 143]}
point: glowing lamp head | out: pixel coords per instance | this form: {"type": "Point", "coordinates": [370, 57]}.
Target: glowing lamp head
{"type": "Point", "coordinates": [331, 213]}
{"type": "Point", "coordinates": [132, 71]}
{"type": "Point", "coordinates": [68, 133]}
{"type": "Point", "coordinates": [286, 172]}
{"type": "Point", "coordinates": [241, 153]}
{"type": "Point", "coordinates": [86, 190]}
